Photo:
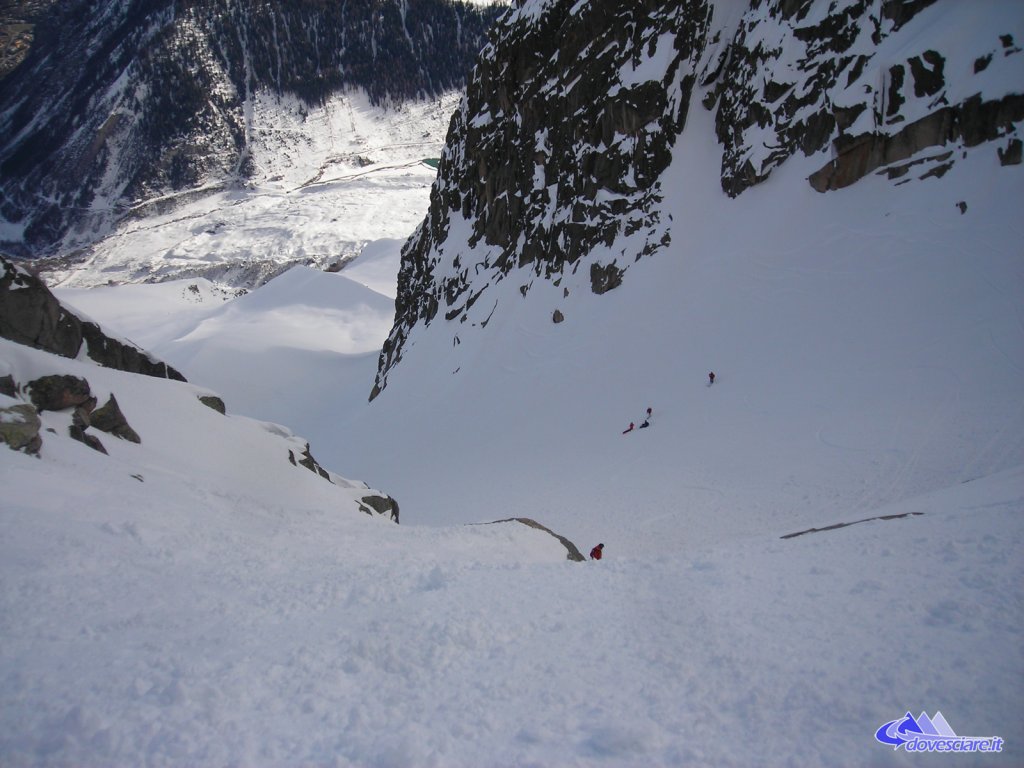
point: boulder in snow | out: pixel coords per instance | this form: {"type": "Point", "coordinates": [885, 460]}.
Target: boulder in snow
{"type": "Point", "coordinates": [58, 392]}
{"type": "Point", "coordinates": [19, 428]}
{"type": "Point", "coordinates": [381, 504]}
{"type": "Point", "coordinates": [109, 418]}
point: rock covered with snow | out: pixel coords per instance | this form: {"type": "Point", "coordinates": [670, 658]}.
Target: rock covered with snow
{"type": "Point", "coordinates": [162, 427]}
{"type": "Point", "coordinates": [58, 382]}
{"type": "Point", "coordinates": [30, 314]}
{"type": "Point", "coordinates": [557, 147]}
{"type": "Point", "coordinates": [19, 428]}
{"type": "Point", "coordinates": [555, 158]}
{"type": "Point", "coordinates": [874, 83]}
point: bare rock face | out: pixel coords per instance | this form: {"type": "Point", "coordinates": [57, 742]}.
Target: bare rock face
{"type": "Point", "coordinates": [382, 505]}
{"type": "Point", "coordinates": [60, 392]}
{"type": "Point", "coordinates": [840, 93]}
{"type": "Point", "coordinates": [306, 460]}
{"type": "Point", "coordinates": [30, 314]}
{"type": "Point", "coordinates": [605, 277]}
{"type": "Point", "coordinates": [8, 386]}
{"type": "Point", "coordinates": [214, 402]}
{"type": "Point", "coordinates": [969, 123]}
{"type": "Point", "coordinates": [77, 431]}
{"type": "Point", "coordinates": [109, 418]}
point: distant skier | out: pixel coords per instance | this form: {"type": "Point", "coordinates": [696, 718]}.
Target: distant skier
{"type": "Point", "coordinates": [629, 428]}
{"type": "Point", "coordinates": [711, 378]}
{"type": "Point", "coordinates": [596, 552]}
{"type": "Point", "coordinates": [647, 420]}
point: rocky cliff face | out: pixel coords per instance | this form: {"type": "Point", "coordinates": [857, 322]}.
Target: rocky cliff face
{"type": "Point", "coordinates": [31, 315]}
{"type": "Point", "coordinates": [121, 101]}
{"type": "Point", "coordinates": [555, 158]}
{"type": "Point", "coordinates": [805, 76]}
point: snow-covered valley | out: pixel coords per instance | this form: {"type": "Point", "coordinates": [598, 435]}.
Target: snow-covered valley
{"type": "Point", "coordinates": [859, 375]}
{"type": "Point", "coordinates": [329, 180]}
{"type": "Point", "coordinates": [823, 540]}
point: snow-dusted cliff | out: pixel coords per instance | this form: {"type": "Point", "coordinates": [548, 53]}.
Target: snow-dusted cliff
{"type": "Point", "coordinates": [555, 159]}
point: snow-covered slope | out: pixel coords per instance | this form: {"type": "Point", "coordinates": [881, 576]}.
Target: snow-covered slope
{"type": "Point", "coordinates": [867, 345]}
{"type": "Point", "coordinates": [869, 351]}
{"type": "Point", "coordinates": [306, 342]}
{"type": "Point", "coordinates": [868, 348]}
{"type": "Point", "coordinates": [186, 619]}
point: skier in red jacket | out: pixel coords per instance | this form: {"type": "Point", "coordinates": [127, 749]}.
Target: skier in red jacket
{"type": "Point", "coordinates": [595, 553]}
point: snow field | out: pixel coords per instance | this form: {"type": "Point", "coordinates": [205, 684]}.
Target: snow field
{"type": "Point", "coordinates": [230, 609]}
{"type": "Point", "coordinates": [209, 628]}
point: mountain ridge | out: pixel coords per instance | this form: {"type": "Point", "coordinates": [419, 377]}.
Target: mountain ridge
{"type": "Point", "coordinates": [858, 80]}
{"type": "Point", "coordinates": [125, 101]}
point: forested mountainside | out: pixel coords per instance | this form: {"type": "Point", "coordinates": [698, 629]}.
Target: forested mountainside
{"type": "Point", "coordinates": [122, 101]}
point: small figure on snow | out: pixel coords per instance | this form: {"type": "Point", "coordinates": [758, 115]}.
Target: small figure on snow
{"type": "Point", "coordinates": [629, 428]}
{"type": "Point", "coordinates": [596, 552]}
{"type": "Point", "coordinates": [711, 378]}
{"type": "Point", "coordinates": [647, 420]}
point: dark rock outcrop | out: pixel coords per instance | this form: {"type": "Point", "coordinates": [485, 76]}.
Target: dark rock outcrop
{"type": "Point", "coordinates": [1012, 154]}
{"type": "Point", "coordinates": [109, 418]}
{"type": "Point", "coordinates": [112, 353]}
{"type": "Point", "coordinates": [832, 93]}
{"type": "Point", "coordinates": [59, 392]}
{"type": "Point", "coordinates": [212, 401]}
{"type": "Point", "coordinates": [382, 505]}
{"type": "Point", "coordinates": [19, 428]}
{"type": "Point", "coordinates": [970, 124]}
{"type": "Point", "coordinates": [306, 460]}
{"type": "Point", "coordinates": [77, 432]}
{"type": "Point", "coordinates": [30, 314]}
{"type": "Point", "coordinates": [605, 277]}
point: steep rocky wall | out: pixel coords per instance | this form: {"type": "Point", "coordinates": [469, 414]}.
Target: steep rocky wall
{"type": "Point", "coordinates": [802, 76]}
{"type": "Point", "coordinates": [558, 146]}
{"type": "Point", "coordinates": [31, 315]}
{"type": "Point", "coordinates": [568, 123]}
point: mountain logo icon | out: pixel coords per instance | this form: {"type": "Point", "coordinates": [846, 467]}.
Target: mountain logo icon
{"type": "Point", "coordinates": [932, 734]}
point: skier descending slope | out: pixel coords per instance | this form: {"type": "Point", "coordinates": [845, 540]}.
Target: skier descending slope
{"type": "Point", "coordinates": [646, 423]}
